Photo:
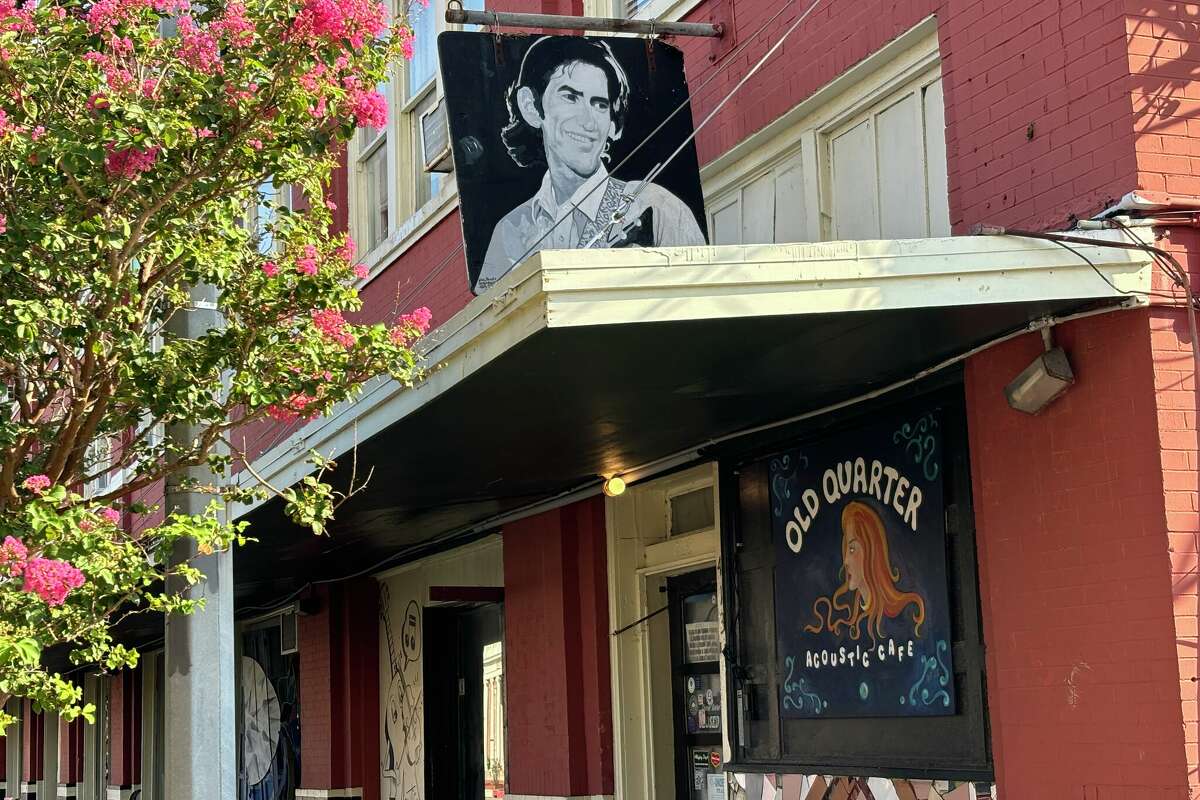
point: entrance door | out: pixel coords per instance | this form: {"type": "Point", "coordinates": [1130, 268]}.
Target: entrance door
{"type": "Point", "coordinates": [464, 702]}
{"type": "Point", "coordinates": [696, 685]}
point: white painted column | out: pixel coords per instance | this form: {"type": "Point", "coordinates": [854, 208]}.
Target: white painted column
{"type": "Point", "coordinates": [200, 727]}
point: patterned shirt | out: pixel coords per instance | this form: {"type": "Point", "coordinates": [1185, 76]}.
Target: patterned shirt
{"type": "Point", "coordinates": [585, 221]}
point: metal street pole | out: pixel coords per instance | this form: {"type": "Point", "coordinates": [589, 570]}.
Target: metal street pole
{"type": "Point", "coordinates": [200, 726]}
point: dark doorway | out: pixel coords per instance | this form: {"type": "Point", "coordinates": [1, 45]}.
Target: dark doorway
{"type": "Point", "coordinates": [464, 702]}
{"type": "Point", "coordinates": [696, 683]}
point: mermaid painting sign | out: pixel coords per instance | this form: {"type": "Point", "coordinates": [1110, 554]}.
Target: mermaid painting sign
{"type": "Point", "coordinates": [861, 607]}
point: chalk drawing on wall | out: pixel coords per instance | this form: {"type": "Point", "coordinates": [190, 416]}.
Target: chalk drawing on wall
{"type": "Point", "coordinates": [403, 724]}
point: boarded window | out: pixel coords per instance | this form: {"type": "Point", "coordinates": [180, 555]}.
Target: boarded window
{"type": "Point", "coordinates": [886, 170]}
{"type": "Point", "coordinates": [766, 208]}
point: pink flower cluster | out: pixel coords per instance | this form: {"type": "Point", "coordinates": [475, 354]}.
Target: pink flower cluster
{"type": "Point", "coordinates": [130, 162]}
{"type": "Point", "coordinates": [308, 264]}
{"type": "Point", "coordinates": [333, 326]}
{"type": "Point", "coordinates": [3, 223]}
{"type": "Point", "coordinates": [198, 47]}
{"type": "Point", "coordinates": [48, 578]}
{"type": "Point", "coordinates": [270, 269]}
{"type": "Point", "coordinates": [14, 18]}
{"type": "Point", "coordinates": [234, 26]}
{"type": "Point", "coordinates": [13, 555]}
{"type": "Point", "coordinates": [411, 326]}
{"type": "Point", "coordinates": [369, 108]}
{"type": "Point", "coordinates": [104, 15]}
{"type": "Point", "coordinates": [335, 20]}
{"type": "Point", "coordinates": [109, 515]}
{"type": "Point", "coordinates": [295, 408]}
{"type": "Point", "coordinates": [36, 484]}
{"type": "Point", "coordinates": [407, 38]}
{"type": "Point", "coordinates": [51, 579]}
{"type": "Point", "coordinates": [118, 78]}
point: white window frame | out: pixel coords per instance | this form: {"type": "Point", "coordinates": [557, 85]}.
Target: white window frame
{"type": "Point", "coordinates": [362, 204]}
{"type": "Point", "coordinates": [910, 60]}
{"type": "Point", "coordinates": [641, 556]}
{"type": "Point", "coordinates": [111, 479]}
{"type": "Point", "coordinates": [407, 222]}
{"type": "Point", "coordinates": [657, 10]}
{"type": "Point", "coordinates": [280, 195]}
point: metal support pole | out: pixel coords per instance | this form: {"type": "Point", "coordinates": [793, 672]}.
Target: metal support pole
{"type": "Point", "coordinates": [48, 785]}
{"type": "Point", "coordinates": [496, 19]}
{"type": "Point", "coordinates": [200, 727]}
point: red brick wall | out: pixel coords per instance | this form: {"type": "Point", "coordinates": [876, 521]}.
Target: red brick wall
{"type": "Point", "coordinates": [125, 727]}
{"type": "Point", "coordinates": [70, 751]}
{"type": "Point", "coordinates": [1164, 61]}
{"type": "Point", "coordinates": [556, 653]}
{"type": "Point", "coordinates": [316, 711]}
{"type": "Point", "coordinates": [339, 689]}
{"type": "Point", "coordinates": [1176, 401]}
{"type": "Point", "coordinates": [1083, 683]}
{"type": "Point", "coordinates": [1059, 66]}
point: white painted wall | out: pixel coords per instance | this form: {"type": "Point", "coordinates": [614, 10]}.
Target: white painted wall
{"type": "Point", "coordinates": [404, 594]}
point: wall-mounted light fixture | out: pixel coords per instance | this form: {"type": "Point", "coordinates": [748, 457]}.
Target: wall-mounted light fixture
{"type": "Point", "coordinates": [1043, 381]}
{"type": "Point", "coordinates": [614, 486]}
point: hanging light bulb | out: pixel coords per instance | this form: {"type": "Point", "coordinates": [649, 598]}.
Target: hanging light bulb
{"type": "Point", "coordinates": [614, 486]}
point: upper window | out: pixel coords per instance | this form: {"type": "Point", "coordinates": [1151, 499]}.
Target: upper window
{"type": "Point", "coordinates": [639, 9]}
{"type": "Point", "coordinates": [389, 185]}
{"type": "Point", "coordinates": [273, 198]}
{"type": "Point", "coordinates": [99, 461]}
{"type": "Point", "coordinates": [374, 191]}
{"type": "Point", "coordinates": [768, 206]}
{"type": "Point", "coordinates": [420, 95]}
{"type": "Point", "coordinates": [885, 169]}
{"type": "Point", "coordinates": [864, 158]}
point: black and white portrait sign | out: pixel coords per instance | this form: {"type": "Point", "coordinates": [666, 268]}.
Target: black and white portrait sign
{"type": "Point", "coordinates": [545, 132]}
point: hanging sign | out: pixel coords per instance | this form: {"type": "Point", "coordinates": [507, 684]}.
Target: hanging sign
{"type": "Point", "coordinates": [861, 596]}
{"type": "Point", "coordinates": [557, 144]}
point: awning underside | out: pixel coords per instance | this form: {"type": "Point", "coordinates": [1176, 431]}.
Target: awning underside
{"type": "Point", "coordinates": [566, 405]}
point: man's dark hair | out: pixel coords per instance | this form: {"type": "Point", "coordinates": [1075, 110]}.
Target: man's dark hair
{"type": "Point", "coordinates": [543, 58]}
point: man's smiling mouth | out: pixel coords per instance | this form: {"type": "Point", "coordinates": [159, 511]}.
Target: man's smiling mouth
{"type": "Point", "coordinates": [581, 138]}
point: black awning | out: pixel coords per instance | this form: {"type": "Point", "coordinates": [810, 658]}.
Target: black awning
{"type": "Point", "coordinates": [566, 405]}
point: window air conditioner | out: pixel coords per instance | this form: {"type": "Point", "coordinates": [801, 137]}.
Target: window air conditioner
{"type": "Point", "coordinates": [435, 139]}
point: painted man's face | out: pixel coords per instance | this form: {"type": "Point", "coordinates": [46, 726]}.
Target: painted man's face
{"type": "Point", "coordinates": [577, 117]}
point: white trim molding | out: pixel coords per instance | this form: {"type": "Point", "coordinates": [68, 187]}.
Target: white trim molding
{"type": "Point", "coordinates": [642, 553]}
{"type": "Point", "coordinates": [68, 790]}
{"type": "Point", "coordinates": [320, 794]}
{"type": "Point", "coordinates": [558, 797]}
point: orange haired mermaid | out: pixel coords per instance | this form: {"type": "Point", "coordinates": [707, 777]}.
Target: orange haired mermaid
{"type": "Point", "coordinates": [870, 581]}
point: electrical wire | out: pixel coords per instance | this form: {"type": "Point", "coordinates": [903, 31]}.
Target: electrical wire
{"type": "Point", "coordinates": [685, 104]}
{"type": "Point", "coordinates": [657, 170]}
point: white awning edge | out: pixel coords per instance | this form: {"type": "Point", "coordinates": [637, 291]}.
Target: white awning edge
{"type": "Point", "coordinates": [566, 288]}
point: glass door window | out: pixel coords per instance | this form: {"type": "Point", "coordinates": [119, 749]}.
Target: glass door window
{"type": "Point", "coordinates": [696, 683]}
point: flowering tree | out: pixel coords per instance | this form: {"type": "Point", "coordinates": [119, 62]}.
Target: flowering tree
{"type": "Point", "coordinates": [134, 138]}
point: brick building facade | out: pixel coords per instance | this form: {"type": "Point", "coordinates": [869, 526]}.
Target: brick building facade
{"type": "Point", "coordinates": [1085, 518]}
